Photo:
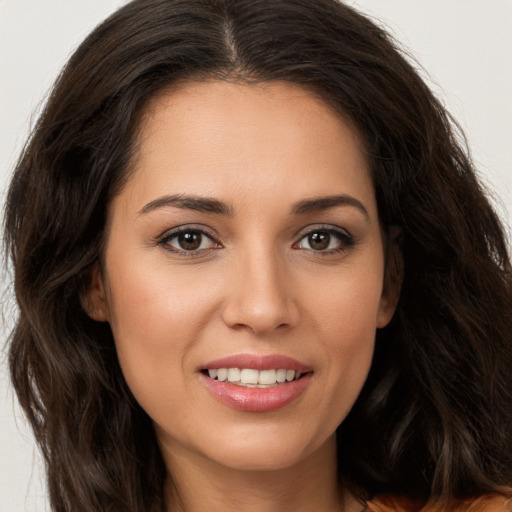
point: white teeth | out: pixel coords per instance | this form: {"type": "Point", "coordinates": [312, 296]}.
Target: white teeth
{"type": "Point", "coordinates": [267, 377]}
{"type": "Point", "coordinates": [249, 377]}
{"type": "Point", "coordinates": [290, 375]}
{"type": "Point", "coordinates": [222, 374]}
{"type": "Point", "coordinates": [281, 375]}
{"type": "Point", "coordinates": [233, 374]}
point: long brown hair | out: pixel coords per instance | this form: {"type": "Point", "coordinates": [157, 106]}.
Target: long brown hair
{"type": "Point", "coordinates": [435, 416]}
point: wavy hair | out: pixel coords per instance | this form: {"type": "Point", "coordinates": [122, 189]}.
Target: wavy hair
{"type": "Point", "coordinates": [435, 416]}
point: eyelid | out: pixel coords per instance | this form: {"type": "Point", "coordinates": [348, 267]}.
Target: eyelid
{"type": "Point", "coordinates": [171, 233]}
{"type": "Point", "coordinates": [348, 240]}
{"type": "Point", "coordinates": [186, 227]}
{"type": "Point", "coordinates": [301, 233]}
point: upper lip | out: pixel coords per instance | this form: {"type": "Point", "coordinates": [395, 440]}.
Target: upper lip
{"type": "Point", "coordinates": [258, 362]}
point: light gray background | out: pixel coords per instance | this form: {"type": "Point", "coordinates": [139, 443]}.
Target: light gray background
{"type": "Point", "coordinates": [465, 47]}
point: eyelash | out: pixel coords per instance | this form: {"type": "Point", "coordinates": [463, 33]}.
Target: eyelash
{"type": "Point", "coordinates": [346, 240]}
{"type": "Point", "coordinates": [165, 240]}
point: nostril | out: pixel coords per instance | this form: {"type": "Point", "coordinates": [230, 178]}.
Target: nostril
{"type": "Point", "coordinates": [260, 303]}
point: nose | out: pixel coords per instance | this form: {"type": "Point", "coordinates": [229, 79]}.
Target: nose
{"type": "Point", "coordinates": [261, 295]}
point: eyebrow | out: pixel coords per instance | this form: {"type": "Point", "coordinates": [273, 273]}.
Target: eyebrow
{"type": "Point", "coordinates": [211, 205]}
{"type": "Point", "coordinates": [201, 204]}
{"type": "Point", "coordinates": [325, 203]}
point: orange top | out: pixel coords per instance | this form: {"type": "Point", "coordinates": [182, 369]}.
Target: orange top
{"type": "Point", "coordinates": [486, 503]}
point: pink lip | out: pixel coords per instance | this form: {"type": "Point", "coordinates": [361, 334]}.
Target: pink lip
{"type": "Point", "coordinates": [257, 399]}
{"type": "Point", "coordinates": [269, 362]}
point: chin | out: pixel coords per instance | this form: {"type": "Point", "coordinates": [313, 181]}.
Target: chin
{"type": "Point", "coordinates": [259, 460]}
{"type": "Point", "coordinates": [265, 451]}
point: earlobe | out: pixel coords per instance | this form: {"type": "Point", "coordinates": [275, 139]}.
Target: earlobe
{"type": "Point", "coordinates": [94, 300]}
{"type": "Point", "coordinates": [393, 277]}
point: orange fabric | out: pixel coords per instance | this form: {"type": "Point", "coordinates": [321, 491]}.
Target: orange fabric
{"type": "Point", "coordinates": [487, 503]}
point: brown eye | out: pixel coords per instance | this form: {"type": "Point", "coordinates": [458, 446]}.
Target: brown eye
{"type": "Point", "coordinates": [188, 240]}
{"type": "Point", "coordinates": [319, 240]}
{"type": "Point", "coordinates": [326, 240]}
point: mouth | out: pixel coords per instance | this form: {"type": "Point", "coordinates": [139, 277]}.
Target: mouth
{"type": "Point", "coordinates": [252, 378]}
{"type": "Point", "coordinates": [256, 384]}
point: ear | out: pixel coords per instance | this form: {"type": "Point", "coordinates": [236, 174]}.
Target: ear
{"type": "Point", "coordinates": [94, 300]}
{"type": "Point", "coordinates": [393, 277]}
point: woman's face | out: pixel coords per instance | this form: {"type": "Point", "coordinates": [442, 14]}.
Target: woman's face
{"type": "Point", "coordinates": [247, 238]}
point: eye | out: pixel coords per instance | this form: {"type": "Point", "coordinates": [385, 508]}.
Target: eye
{"type": "Point", "coordinates": [188, 240]}
{"type": "Point", "coordinates": [326, 240]}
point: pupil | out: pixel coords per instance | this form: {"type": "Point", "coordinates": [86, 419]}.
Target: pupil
{"type": "Point", "coordinates": [319, 240]}
{"type": "Point", "coordinates": [189, 241]}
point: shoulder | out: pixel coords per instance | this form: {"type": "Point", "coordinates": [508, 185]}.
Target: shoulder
{"type": "Point", "coordinates": [485, 503]}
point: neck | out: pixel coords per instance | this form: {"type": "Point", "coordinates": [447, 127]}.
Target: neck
{"type": "Point", "coordinates": [308, 486]}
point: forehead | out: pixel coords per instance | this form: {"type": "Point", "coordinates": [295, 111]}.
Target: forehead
{"type": "Point", "coordinates": [218, 138]}
{"type": "Point", "coordinates": [246, 106]}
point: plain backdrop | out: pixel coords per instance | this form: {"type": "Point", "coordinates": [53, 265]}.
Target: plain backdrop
{"type": "Point", "coordinates": [463, 46]}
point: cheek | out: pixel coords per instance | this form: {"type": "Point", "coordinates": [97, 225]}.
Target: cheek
{"type": "Point", "coordinates": [150, 302]}
{"type": "Point", "coordinates": [349, 339]}
{"type": "Point", "coordinates": [346, 306]}
{"type": "Point", "coordinates": [155, 320]}
{"type": "Point", "coordinates": [345, 320]}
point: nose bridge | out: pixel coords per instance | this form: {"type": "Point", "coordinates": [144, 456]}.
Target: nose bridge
{"type": "Point", "coordinates": [261, 292]}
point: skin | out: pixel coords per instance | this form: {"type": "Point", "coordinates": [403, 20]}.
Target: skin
{"type": "Point", "coordinates": [256, 285]}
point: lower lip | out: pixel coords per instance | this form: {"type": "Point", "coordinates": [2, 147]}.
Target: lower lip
{"type": "Point", "coordinates": [256, 399]}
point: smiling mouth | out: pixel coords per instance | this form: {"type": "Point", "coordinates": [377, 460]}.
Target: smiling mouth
{"type": "Point", "coordinates": [251, 378]}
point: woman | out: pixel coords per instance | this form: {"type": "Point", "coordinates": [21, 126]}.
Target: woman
{"type": "Point", "coordinates": [255, 270]}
